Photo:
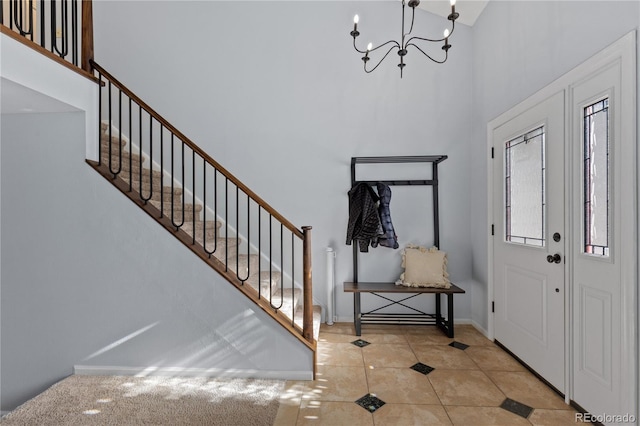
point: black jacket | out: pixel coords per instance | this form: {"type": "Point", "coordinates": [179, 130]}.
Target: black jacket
{"type": "Point", "coordinates": [364, 222]}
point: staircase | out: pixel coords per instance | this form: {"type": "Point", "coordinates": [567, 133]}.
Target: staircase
{"type": "Point", "coordinates": [206, 208]}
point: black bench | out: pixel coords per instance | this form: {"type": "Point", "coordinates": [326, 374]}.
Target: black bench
{"type": "Point", "coordinates": [417, 318]}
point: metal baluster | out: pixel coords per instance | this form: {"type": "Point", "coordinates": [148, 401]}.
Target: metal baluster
{"type": "Point", "coordinates": [193, 194]}
{"type": "Point", "coordinates": [260, 250]}
{"type": "Point", "coordinates": [172, 181]}
{"type": "Point", "coordinates": [119, 131]}
{"type": "Point", "coordinates": [281, 266]}
{"type": "Point", "coordinates": [248, 239]}
{"type": "Point", "coordinates": [64, 30]}
{"type": "Point", "coordinates": [109, 149]}
{"type": "Point", "coordinates": [271, 258]}
{"type": "Point", "coordinates": [140, 144]}
{"type": "Point", "coordinates": [204, 203]}
{"type": "Point", "coordinates": [161, 168]}
{"type": "Point", "coordinates": [19, 16]}
{"type": "Point", "coordinates": [74, 32]}
{"type": "Point", "coordinates": [43, 40]}
{"type": "Point", "coordinates": [146, 200]}
{"type": "Point", "coordinates": [130, 150]}
{"type": "Point", "coordinates": [100, 88]}
{"type": "Point", "coordinates": [215, 204]}
{"type": "Point", "coordinates": [182, 182]}
{"type": "Point", "coordinates": [226, 226]}
{"type": "Point", "coordinates": [293, 275]}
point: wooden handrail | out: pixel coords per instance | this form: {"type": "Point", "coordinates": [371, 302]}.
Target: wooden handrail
{"type": "Point", "coordinates": [87, 35]}
{"type": "Point", "coordinates": [199, 151]}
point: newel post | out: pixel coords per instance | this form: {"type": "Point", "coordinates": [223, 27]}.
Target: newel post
{"type": "Point", "coordinates": [87, 35]}
{"type": "Point", "coordinates": [307, 319]}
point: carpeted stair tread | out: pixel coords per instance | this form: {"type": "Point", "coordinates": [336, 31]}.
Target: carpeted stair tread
{"type": "Point", "coordinates": [177, 205]}
{"type": "Point", "coordinates": [148, 177]}
{"type": "Point", "coordinates": [188, 212]}
{"type": "Point", "coordinates": [115, 154]}
{"type": "Point", "coordinates": [146, 187]}
{"type": "Point", "coordinates": [269, 282]}
{"type": "Point", "coordinates": [222, 248]}
{"type": "Point", "coordinates": [246, 265]}
{"type": "Point", "coordinates": [115, 141]}
{"type": "Point", "coordinates": [286, 300]}
{"type": "Point", "coordinates": [212, 228]}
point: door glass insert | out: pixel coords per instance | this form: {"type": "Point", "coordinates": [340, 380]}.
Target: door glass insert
{"type": "Point", "coordinates": [596, 178]}
{"type": "Point", "coordinates": [524, 189]}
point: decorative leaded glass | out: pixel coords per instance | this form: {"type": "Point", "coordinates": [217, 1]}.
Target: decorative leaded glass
{"type": "Point", "coordinates": [524, 189]}
{"type": "Point", "coordinates": [596, 178]}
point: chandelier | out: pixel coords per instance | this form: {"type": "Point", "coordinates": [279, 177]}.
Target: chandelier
{"type": "Point", "coordinates": [406, 41]}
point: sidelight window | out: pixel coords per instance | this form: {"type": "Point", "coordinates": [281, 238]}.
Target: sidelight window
{"type": "Point", "coordinates": [596, 178]}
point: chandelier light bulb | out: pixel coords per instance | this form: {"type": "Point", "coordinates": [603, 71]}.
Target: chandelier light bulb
{"type": "Point", "coordinates": [446, 33]}
{"type": "Point", "coordinates": [369, 46]}
{"type": "Point", "coordinates": [356, 19]}
{"type": "Point", "coordinates": [453, 3]}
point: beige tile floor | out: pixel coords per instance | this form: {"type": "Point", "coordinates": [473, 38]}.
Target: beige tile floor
{"type": "Point", "coordinates": [466, 387]}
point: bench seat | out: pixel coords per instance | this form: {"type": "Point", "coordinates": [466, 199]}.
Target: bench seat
{"type": "Point", "coordinates": [416, 318]}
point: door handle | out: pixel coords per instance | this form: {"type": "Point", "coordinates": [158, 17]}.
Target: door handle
{"type": "Point", "coordinates": [556, 258]}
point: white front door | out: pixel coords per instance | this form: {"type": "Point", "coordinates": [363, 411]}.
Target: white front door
{"type": "Point", "coordinates": [529, 237]}
{"type": "Point", "coordinates": [566, 162]}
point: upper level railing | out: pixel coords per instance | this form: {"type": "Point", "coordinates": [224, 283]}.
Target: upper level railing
{"type": "Point", "coordinates": [247, 240]}
{"type": "Point", "coordinates": [62, 27]}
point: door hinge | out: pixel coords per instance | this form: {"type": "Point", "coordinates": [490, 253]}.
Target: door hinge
{"type": "Point", "coordinates": [492, 152]}
{"type": "Point", "coordinates": [493, 229]}
{"type": "Point", "coordinates": [493, 307]}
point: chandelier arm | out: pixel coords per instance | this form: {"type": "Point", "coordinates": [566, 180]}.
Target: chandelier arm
{"type": "Point", "coordinates": [453, 27]}
{"type": "Point", "coordinates": [384, 44]}
{"type": "Point", "coordinates": [379, 62]}
{"type": "Point", "coordinates": [446, 54]}
{"type": "Point", "coordinates": [377, 47]}
{"type": "Point", "coordinates": [357, 50]}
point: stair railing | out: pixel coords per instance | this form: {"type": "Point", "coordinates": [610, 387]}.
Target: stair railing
{"type": "Point", "coordinates": [56, 26]}
{"type": "Point", "coordinates": [177, 176]}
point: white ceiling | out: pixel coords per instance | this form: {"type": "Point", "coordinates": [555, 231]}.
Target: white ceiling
{"type": "Point", "coordinates": [469, 10]}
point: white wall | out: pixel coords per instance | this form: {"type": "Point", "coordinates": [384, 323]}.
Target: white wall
{"type": "Point", "coordinates": [89, 279]}
{"type": "Point", "coordinates": [518, 48]}
{"type": "Point", "coordinates": [275, 92]}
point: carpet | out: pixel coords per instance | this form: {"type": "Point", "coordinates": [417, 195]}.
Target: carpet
{"type": "Point", "coordinates": [119, 400]}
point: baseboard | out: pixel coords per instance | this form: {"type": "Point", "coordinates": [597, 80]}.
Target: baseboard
{"type": "Point", "coordinates": [4, 413]}
{"type": "Point", "coordinates": [480, 328]}
{"type": "Point", "coordinates": [90, 370]}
